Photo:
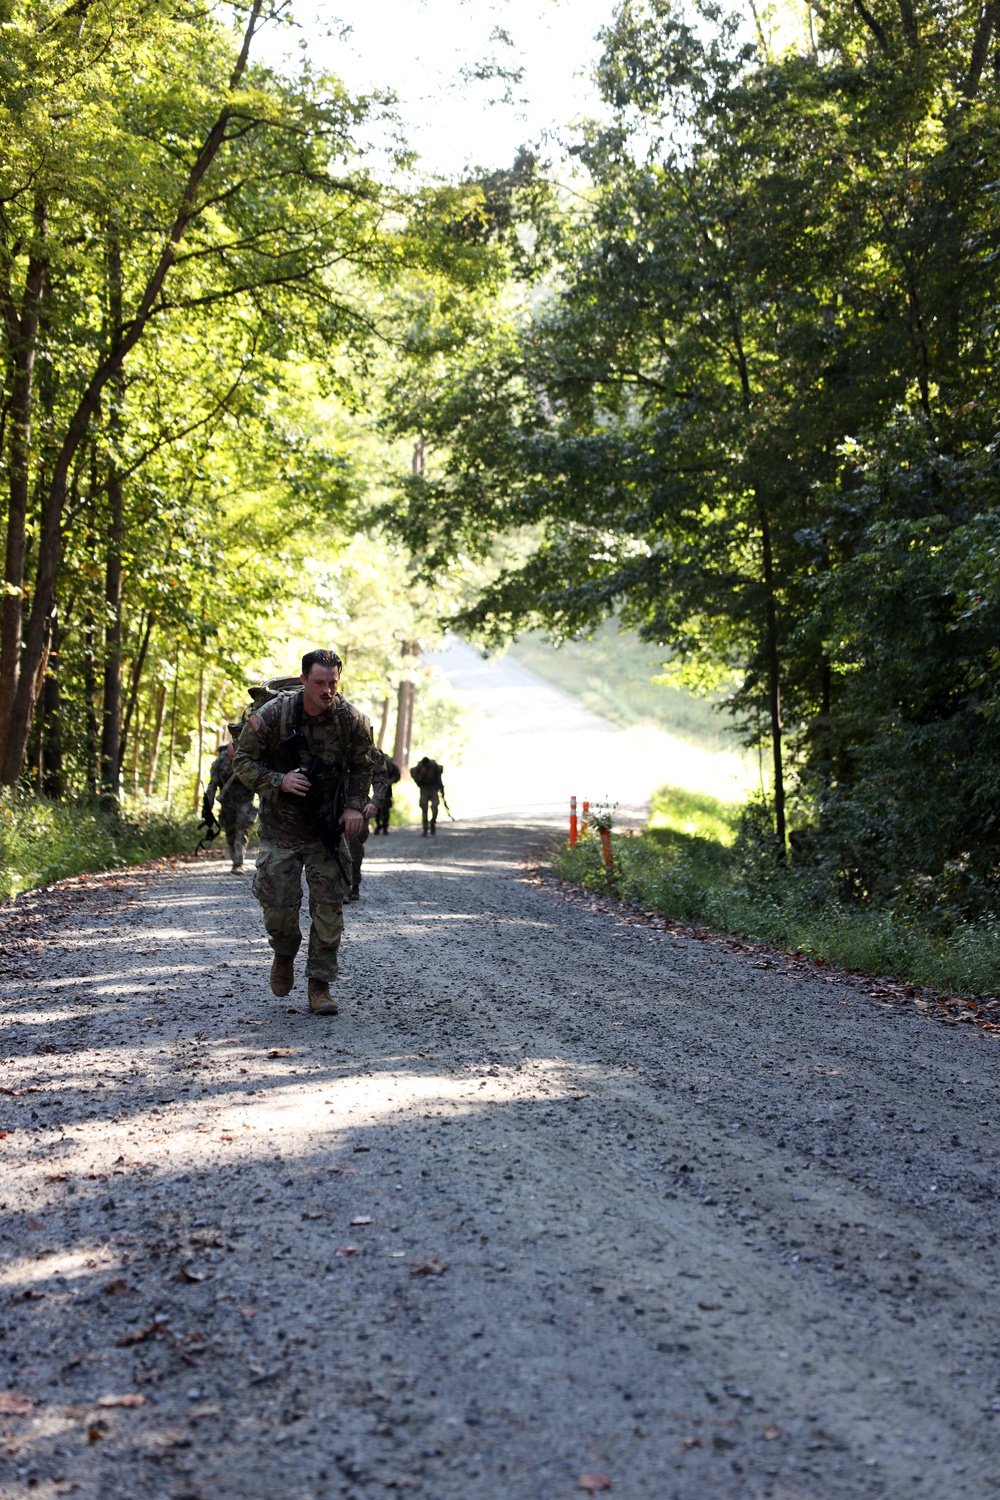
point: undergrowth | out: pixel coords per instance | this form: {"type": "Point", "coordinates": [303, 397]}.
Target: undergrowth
{"type": "Point", "coordinates": [693, 863]}
{"type": "Point", "coordinates": [42, 841]}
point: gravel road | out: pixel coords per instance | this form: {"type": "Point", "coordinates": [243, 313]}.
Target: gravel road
{"type": "Point", "coordinates": [547, 1209]}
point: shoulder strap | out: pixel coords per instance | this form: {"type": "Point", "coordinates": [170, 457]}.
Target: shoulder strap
{"type": "Point", "coordinates": [291, 709]}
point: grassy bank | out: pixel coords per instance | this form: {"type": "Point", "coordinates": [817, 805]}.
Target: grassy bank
{"type": "Point", "coordinates": [612, 674]}
{"type": "Point", "coordinates": [689, 865]}
{"type": "Point", "coordinates": [44, 841]}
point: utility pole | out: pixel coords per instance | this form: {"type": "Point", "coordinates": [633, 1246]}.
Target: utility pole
{"type": "Point", "coordinates": [404, 712]}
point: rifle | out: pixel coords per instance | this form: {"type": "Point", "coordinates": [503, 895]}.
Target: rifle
{"type": "Point", "coordinates": [444, 802]}
{"type": "Point", "coordinates": [209, 822]}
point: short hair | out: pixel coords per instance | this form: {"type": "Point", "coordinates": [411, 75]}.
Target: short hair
{"type": "Point", "coordinates": [320, 658]}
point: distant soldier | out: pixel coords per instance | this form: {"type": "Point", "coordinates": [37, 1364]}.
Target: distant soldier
{"type": "Point", "coordinates": [381, 789]}
{"type": "Point", "coordinates": [429, 777]}
{"type": "Point", "coordinates": [236, 802]}
{"type": "Point", "coordinates": [392, 774]}
{"type": "Point", "coordinates": [308, 756]}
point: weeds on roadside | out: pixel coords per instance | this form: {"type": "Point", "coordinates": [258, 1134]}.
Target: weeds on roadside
{"type": "Point", "coordinates": [697, 863]}
{"type": "Point", "coordinates": [42, 841]}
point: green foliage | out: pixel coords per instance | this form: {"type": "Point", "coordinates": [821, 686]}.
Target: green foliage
{"type": "Point", "coordinates": [737, 887]}
{"type": "Point", "coordinates": [44, 841]}
{"type": "Point", "coordinates": [694, 815]}
{"type": "Point", "coordinates": [753, 411]}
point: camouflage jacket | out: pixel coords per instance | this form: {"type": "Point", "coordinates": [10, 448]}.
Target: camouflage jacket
{"type": "Point", "coordinates": [428, 775]}
{"type": "Point", "coordinates": [342, 740]}
{"type": "Point", "coordinates": [224, 783]}
{"type": "Point", "coordinates": [384, 775]}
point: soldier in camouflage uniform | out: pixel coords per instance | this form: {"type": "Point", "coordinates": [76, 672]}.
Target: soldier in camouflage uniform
{"type": "Point", "coordinates": [236, 802]}
{"type": "Point", "coordinates": [381, 790]}
{"type": "Point", "coordinates": [318, 730]}
{"type": "Point", "coordinates": [429, 776]}
{"type": "Point", "coordinates": [393, 774]}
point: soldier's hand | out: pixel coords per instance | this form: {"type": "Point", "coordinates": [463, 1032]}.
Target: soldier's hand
{"type": "Point", "coordinates": [371, 808]}
{"type": "Point", "coordinates": [352, 822]}
{"type": "Point", "coordinates": [296, 782]}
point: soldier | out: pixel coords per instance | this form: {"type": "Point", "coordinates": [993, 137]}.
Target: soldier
{"type": "Point", "coordinates": [429, 777]}
{"type": "Point", "coordinates": [308, 756]}
{"type": "Point", "coordinates": [392, 775]}
{"type": "Point", "coordinates": [236, 801]}
{"type": "Point", "coordinates": [381, 792]}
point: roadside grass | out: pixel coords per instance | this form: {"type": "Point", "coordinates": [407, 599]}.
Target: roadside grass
{"type": "Point", "coordinates": [42, 841]}
{"type": "Point", "coordinates": [612, 674]}
{"type": "Point", "coordinates": [686, 864]}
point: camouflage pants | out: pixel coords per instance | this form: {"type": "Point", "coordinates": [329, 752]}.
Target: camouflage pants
{"type": "Point", "coordinates": [277, 884]}
{"type": "Point", "coordinates": [429, 799]}
{"type": "Point", "coordinates": [382, 816]}
{"type": "Point", "coordinates": [236, 823]}
{"type": "Point", "coordinates": [356, 844]}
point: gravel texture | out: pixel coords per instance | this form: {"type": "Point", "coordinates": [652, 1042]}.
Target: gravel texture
{"type": "Point", "coordinates": [557, 1203]}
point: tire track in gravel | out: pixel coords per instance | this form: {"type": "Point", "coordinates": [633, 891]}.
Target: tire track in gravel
{"type": "Point", "coordinates": [553, 1196]}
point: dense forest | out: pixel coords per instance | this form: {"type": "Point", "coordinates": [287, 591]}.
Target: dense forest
{"type": "Point", "coordinates": [750, 404]}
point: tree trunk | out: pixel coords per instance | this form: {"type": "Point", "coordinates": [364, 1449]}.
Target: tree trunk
{"type": "Point", "coordinates": [21, 339]}
{"type": "Point", "coordinates": [90, 712]}
{"type": "Point", "coordinates": [53, 780]}
{"type": "Point", "coordinates": [773, 682]}
{"type": "Point", "coordinates": [134, 680]}
{"type": "Point", "coordinates": [404, 726]}
{"type": "Point", "coordinates": [173, 732]}
{"type": "Point", "coordinates": [158, 704]}
{"type": "Point", "coordinates": [111, 723]}
{"type": "Point", "coordinates": [201, 734]}
{"type": "Point", "coordinates": [385, 720]}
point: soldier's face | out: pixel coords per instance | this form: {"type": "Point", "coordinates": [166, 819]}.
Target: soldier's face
{"type": "Point", "coordinates": [319, 689]}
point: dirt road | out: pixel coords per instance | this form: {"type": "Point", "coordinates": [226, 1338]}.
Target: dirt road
{"type": "Point", "coordinates": [553, 1197]}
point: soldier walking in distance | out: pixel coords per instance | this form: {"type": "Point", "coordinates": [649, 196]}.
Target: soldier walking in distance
{"type": "Point", "coordinates": [308, 756]}
{"type": "Point", "coordinates": [236, 802]}
{"type": "Point", "coordinates": [392, 774]}
{"type": "Point", "coordinates": [429, 777]}
{"type": "Point", "coordinates": [381, 787]}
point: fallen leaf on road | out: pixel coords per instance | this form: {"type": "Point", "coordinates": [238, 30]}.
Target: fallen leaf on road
{"type": "Point", "coordinates": [690, 1442]}
{"type": "Point", "coordinates": [33, 1224]}
{"type": "Point", "coordinates": [281, 1051]}
{"type": "Point", "coordinates": [348, 1250]}
{"type": "Point", "coordinates": [96, 1431]}
{"type": "Point", "coordinates": [115, 1288]}
{"type": "Point", "coordinates": [361, 1219]}
{"type": "Point", "coordinates": [185, 1273]}
{"type": "Point", "coordinates": [430, 1267]}
{"type": "Point", "coordinates": [770, 1433]}
{"type": "Point", "coordinates": [138, 1335]}
{"type": "Point", "coordinates": [594, 1482]}
{"type": "Point", "coordinates": [248, 1312]}
{"type": "Point", "coordinates": [13, 1404]}
{"type": "Point", "coordinates": [310, 1215]}
{"type": "Point", "coordinates": [56, 1177]}
{"type": "Point", "coordinates": [131, 1398]}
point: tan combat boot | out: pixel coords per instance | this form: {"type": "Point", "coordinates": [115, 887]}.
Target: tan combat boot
{"type": "Point", "coordinates": [321, 1002]}
{"type": "Point", "coordinates": [282, 974]}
